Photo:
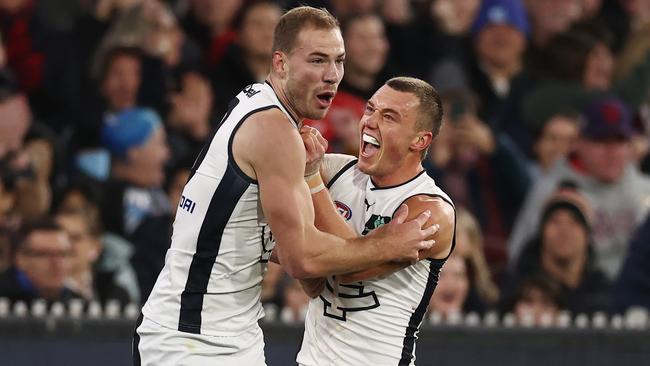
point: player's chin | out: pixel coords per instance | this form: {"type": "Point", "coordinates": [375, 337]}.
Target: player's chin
{"type": "Point", "coordinates": [317, 113]}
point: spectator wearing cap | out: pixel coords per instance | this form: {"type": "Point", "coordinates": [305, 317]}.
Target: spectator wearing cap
{"type": "Point", "coordinates": [135, 205]}
{"type": "Point", "coordinates": [499, 34]}
{"type": "Point", "coordinates": [602, 167]}
{"type": "Point", "coordinates": [562, 250]}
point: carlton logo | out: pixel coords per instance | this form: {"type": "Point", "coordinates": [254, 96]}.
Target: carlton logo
{"type": "Point", "coordinates": [343, 210]}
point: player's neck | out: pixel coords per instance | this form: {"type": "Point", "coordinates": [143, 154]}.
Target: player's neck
{"type": "Point", "coordinates": [397, 177]}
{"type": "Point", "coordinates": [279, 91]}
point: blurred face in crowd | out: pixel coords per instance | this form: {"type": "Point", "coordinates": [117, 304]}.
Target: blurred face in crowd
{"type": "Point", "coordinates": [557, 139]}
{"type": "Point", "coordinates": [387, 131]}
{"type": "Point", "coordinates": [122, 81]}
{"type": "Point", "coordinates": [535, 303]}
{"type": "Point", "coordinates": [564, 238]}
{"type": "Point", "coordinates": [45, 259]}
{"type": "Point", "coordinates": [550, 17]}
{"type": "Point", "coordinates": [599, 68]}
{"type": "Point", "coordinates": [604, 160]}
{"type": "Point", "coordinates": [14, 123]}
{"type": "Point", "coordinates": [215, 14]}
{"type": "Point", "coordinates": [312, 70]}
{"type": "Point", "coordinates": [149, 159]}
{"type": "Point", "coordinates": [256, 33]}
{"type": "Point", "coordinates": [455, 16]}
{"type": "Point", "coordinates": [164, 38]}
{"type": "Point", "coordinates": [453, 285]}
{"type": "Point", "coordinates": [85, 247]}
{"type": "Point", "coordinates": [366, 46]}
{"type": "Point", "coordinates": [500, 45]}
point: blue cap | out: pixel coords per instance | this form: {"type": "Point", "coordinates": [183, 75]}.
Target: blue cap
{"type": "Point", "coordinates": [509, 12]}
{"type": "Point", "coordinates": [128, 129]}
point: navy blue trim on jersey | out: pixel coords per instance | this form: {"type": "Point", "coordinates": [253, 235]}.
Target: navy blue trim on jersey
{"type": "Point", "coordinates": [222, 204]}
{"type": "Point", "coordinates": [283, 106]}
{"type": "Point", "coordinates": [199, 159]}
{"type": "Point", "coordinates": [375, 188]}
{"type": "Point", "coordinates": [340, 172]}
{"type": "Point", "coordinates": [135, 352]}
{"type": "Point", "coordinates": [231, 158]}
{"type": "Point", "coordinates": [408, 346]}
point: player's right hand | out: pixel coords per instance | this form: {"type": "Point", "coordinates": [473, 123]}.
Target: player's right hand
{"type": "Point", "coordinates": [315, 147]}
{"type": "Point", "coordinates": [403, 240]}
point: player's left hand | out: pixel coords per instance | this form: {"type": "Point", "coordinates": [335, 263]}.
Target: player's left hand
{"type": "Point", "coordinates": [315, 147]}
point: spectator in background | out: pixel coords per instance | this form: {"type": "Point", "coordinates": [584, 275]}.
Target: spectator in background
{"type": "Point", "coordinates": [246, 60]}
{"type": "Point", "coordinates": [8, 219]}
{"type": "Point", "coordinates": [562, 250]}
{"type": "Point", "coordinates": [83, 278]}
{"type": "Point", "coordinates": [41, 265]}
{"type": "Point", "coordinates": [483, 292]}
{"type": "Point", "coordinates": [135, 205]}
{"type": "Point", "coordinates": [581, 55]}
{"type": "Point", "coordinates": [602, 169]}
{"type": "Point", "coordinates": [548, 18]}
{"type": "Point", "coordinates": [554, 141]}
{"type": "Point", "coordinates": [632, 286]}
{"type": "Point", "coordinates": [29, 164]}
{"type": "Point", "coordinates": [453, 287]}
{"type": "Point", "coordinates": [537, 301]}
{"type": "Point", "coordinates": [481, 170]}
{"type": "Point", "coordinates": [210, 24]}
{"type": "Point", "coordinates": [366, 52]}
{"type": "Point", "coordinates": [83, 197]}
{"type": "Point", "coordinates": [499, 34]}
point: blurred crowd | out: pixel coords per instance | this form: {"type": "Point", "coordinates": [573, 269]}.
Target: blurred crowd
{"type": "Point", "coordinates": [104, 104]}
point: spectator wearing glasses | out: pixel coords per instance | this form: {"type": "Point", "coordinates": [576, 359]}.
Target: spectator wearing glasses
{"type": "Point", "coordinates": [41, 265]}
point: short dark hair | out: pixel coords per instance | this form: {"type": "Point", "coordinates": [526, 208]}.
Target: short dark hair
{"type": "Point", "coordinates": [430, 108]}
{"type": "Point", "coordinates": [42, 224]}
{"type": "Point", "coordinates": [111, 54]}
{"type": "Point", "coordinates": [295, 20]}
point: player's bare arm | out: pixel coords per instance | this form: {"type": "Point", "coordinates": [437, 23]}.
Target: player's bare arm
{"type": "Point", "coordinates": [271, 151]}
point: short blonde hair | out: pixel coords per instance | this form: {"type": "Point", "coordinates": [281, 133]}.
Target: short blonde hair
{"type": "Point", "coordinates": [295, 20]}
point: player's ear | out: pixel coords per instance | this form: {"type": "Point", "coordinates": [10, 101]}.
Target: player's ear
{"type": "Point", "coordinates": [421, 141]}
{"type": "Point", "coordinates": [278, 63]}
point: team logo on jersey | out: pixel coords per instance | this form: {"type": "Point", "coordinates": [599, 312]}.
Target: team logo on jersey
{"type": "Point", "coordinates": [343, 210]}
{"type": "Point", "coordinates": [374, 222]}
{"type": "Point", "coordinates": [350, 298]}
{"type": "Point", "coordinates": [249, 91]}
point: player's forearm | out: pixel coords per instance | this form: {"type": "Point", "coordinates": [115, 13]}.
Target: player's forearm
{"type": "Point", "coordinates": [327, 218]}
{"type": "Point", "coordinates": [381, 270]}
{"type": "Point", "coordinates": [326, 255]}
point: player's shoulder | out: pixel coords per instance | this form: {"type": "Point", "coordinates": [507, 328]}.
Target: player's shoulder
{"type": "Point", "coordinates": [334, 165]}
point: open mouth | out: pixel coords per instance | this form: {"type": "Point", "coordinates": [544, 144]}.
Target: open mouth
{"type": "Point", "coordinates": [370, 145]}
{"type": "Point", "coordinates": [325, 99]}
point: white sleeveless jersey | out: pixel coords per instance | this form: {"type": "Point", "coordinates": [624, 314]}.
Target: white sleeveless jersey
{"type": "Point", "coordinates": [372, 322]}
{"type": "Point", "coordinates": [211, 281]}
